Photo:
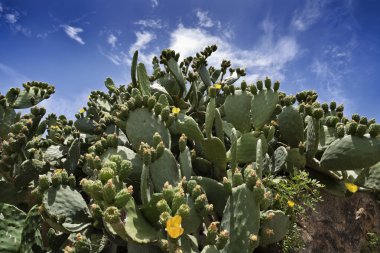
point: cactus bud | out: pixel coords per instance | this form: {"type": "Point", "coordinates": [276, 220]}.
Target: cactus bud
{"type": "Point", "coordinates": [243, 85]}
{"type": "Point", "coordinates": [165, 113]}
{"type": "Point", "coordinates": [123, 196]}
{"type": "Point", "coordinates": [259, 85]}
{"type": "Point", "coordinates": [151, 102]}
{"type": "Point", "coordinates": [356, 117]}
{"type": "Point", "coordinates": [231, 89]}
{"type": "Point", "coordinates": [318, 113]}
{"type": "Point", "coordinates": [43, 182]}
{"type": "Point", "coordinates": [96, 211]}
{"type": "Point", "coordinates": [361, 130]}
{"type": "Point", "coordinates": [267, 83]}
{"type": "Point", "coordinates": [168, 192]}
{"type": "Point", "coordinates": [374, 130]}
{"type": "Point", "coordinates": [237, 178]}
{"type": "Point", "coordinates": [340, 131]}
{"type": "Point", "coordinates": [212, 233]}
{"type": "Point", "coordinates": [182, 143]}
{"type": "Point", "coordinates": [183, 211]}
{"type": "Point", "coordinates": [212, 92]}
{"type": "Point", "coordinates": [222, 239]}
{"type": "Point", "coordinates": [351, 128]}
{"type": "Point", "coordinates": [112, 215]}
{"type": "Point", "coordinates": [124, 170]}
{"type": "Point", "coordinates": [164, 217]}
{"type": "Point", "coordinates": [363, 120]}
{"type": "Point", "coordinates": [109, 192]}
{"type": "Point", "coordinates": [253, 89]}
{"type": "Point", "coordinates": [162, 206]}
{"type": "Point", "coordinates": [106, 174]}
{"type": "Point", "coordinates": [157, 109]}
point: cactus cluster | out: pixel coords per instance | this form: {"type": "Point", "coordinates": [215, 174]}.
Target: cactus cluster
{"type": "Point", "coordinates": [176, 161]}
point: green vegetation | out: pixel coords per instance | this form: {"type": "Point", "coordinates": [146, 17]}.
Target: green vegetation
{"type": "Point", "coordinates": [183, 160]}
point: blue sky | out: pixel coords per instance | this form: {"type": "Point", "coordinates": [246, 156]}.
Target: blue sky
{"type": "Point", "coordinates": [329, 46]}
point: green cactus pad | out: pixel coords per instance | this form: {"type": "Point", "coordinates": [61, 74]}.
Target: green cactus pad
{"type": "Point", "coordinates": [215, 192]}
{"type": "Point", "coordinates": [143, 248]}
{"type": "Point", "coordinates": [241, 208]}
{"type": "Point", "coordinates": [189, 244]}
{"type": "Point", "coordinates": [210, 115]}
{"type": "Point", "coordinates": [144, 83]}
{"type": "Point", "coordinates": [215, 152]}
{"type": "Point", "coordinates": [351, 152]}
{"type": "Point", "coordinates": [246, 147]}
{"type": "Point", "coordinates": [177, 73]}
{"type": "Point", "coordinates": [210, 249]}
{"type": "Point", "coordinates": [69, 203]}
{"type": "Point", "coordinates": [10, 194]}
{"type": "Point", "coordinates": [55, 152]}
{"type": "Point", "coordinates": [12, 222]}
{"type": "Point", "coordinates": [30, 169]}
{"type": "Point", "coordinates": [291, 127]}
{"type": "Point", "coordinates": [135, 227]}
{"type": "Point", "coordinates": [237, 109]}
{"type": "Point", "coordinates": [142, 125]}
{"type": "Point", "coordinates": [24, 99]}
{"type": "Point", "coordinates": [312, 136]}
{"type": "Point", "coordinates": [187, 125]}
{"type": "Point", "coordinates": [327, 135]}
{"type": "Point", "coordinates": [372, 181]}
{"type": "Point", "coordinates": [73, 156]}
{"type": "Point", "coordinates": [31, 235]}
{"type": "Point", "coordinates": [262, 107]}
{"type": "Point", "coordinates": [205, 75]}
{"type": "Point", "coordinates": [296, 158]}
{"type": "Point", "coordinates": [7, 118]}
{"type": "Point", "coordinates": [278, 224]}
{"type": "Point", "coordinates": [86, 125]}
{"type": "Point", "coordinates": [185, 163]}
{"type": "Point", "coordinates": [280, 158]}
{"type": "Point", "coordinates": [164, 169]}
{"type": "Point", "coordinates": [219, 125]}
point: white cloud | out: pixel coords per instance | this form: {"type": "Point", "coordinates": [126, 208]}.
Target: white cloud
{"type": "Point", "coordinates": [142, 40]}
{"type": "Point", "coordinates": [112, 40]}
{"type": "Point", "coordinates": [73, 32]}
{"type": "Point", "coordinates": [1, 7]}
{"type": "Point", "coordinates": [154, 3]}
{"type": "Point", "coordinates": [203, 19]}
{"type": "Point", "coordinates": [306, 17]}
{"type": "Point", "coordinates": [150, 23]}
{"type": "Point", "coordinates": [11, 18]}
{"type": "Point", "coordinates": [268, 58]}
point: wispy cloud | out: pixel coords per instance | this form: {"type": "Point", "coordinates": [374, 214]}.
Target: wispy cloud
{"type": "Point", "coordinates": [1, 7]}
{"type": "Point", "coordinates": [11, 18]}
{"type": "Point", "coordinates": [112, 40]}
{"type": "Point", "coordinates": [142, 40]}
{"type": "Point", "coordinates": [203, 19]}
{"type": "Point", "coordinates": [73, 33]}
{"type": "Point", "coordinates": [150, 23]}
{"type": "Point", "coordinates": [154, 3]}
{"type": "Point", "coordinates": [308, 15]}
{"type": "Point", "coordinates": [268, 57]}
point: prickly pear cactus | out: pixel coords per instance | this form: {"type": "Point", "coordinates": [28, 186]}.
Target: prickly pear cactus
{"type": "Point", "coordinates": [183, 159]}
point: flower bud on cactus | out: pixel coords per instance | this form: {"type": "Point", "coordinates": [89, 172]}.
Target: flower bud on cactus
{"type": "Point", "coordinates": [351, 128]}
{"type": "Point", "coordinates": [183, 210]}
{"type": "Point", "coordinates": [212, 92]}
{"type": "Point", "coordinates": [96, 211]}
{"type": "Point", "coordinates": [165, 113]}
{"type": "Point", "coordinates": [157, 109]}
{"type": "Point", "coordinates": [123, 196]}
{"type": "Point", "coordinates": [105, 174]}
{"type": "Point", "coordinates": [164, 217]}
{"type": "Point", "coordinates": [361, 130]}
{"type": "Point", "coordinates": [168, 192]}
{"type": "Point", "coordinates": [237, 178]}
{"type": "Point", "coordinates": [212, 233]}
{"type": "Point", "coordinates": [253, 89]}
{"type": "Point", "coordinates": [356, 117]}
{"type": "Point", "coordinates": [162, 206]}
{"type": "Point", "coordinates": [340, 131]}
{"type": "Point", "coordinates": [182, 143]}
{"type": "Point", "coordinates": [111, 215]}
{"type": "Point", "coordinates": [82, 244]}
{"type": "Point", "coordinates": [259, 85]}
{"type": "Point", "coordinates": [374, 130]}
{"type": "Point", "coordinates": [243, 85]}
{"type": "Point", "coordinates": [222, 239]}
{"type": "Point", "coordinates": [276, 86]}
{"type": "Point", "coordinates": [109, 192]}
{"type": "Point", "coordinates": [43, 182]}
{"type": "Point", "coordinates": [332, 105]}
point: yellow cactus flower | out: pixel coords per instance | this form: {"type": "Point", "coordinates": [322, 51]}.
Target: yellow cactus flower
{"type": "Point", "coordinates": [351, 187]}
{"type": "Point", "coordinates": [173, 227]}
{"type": "Point", "coordinates": [81, 110]}
{"type": "Point", "coordinates": [217, 86]}
{"type": "Point", "coordinates": [176, 110]}
{"type": "Point", "coordinates": [58, 171]}
{"type": "Point", "coordinates": [291, 203]}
